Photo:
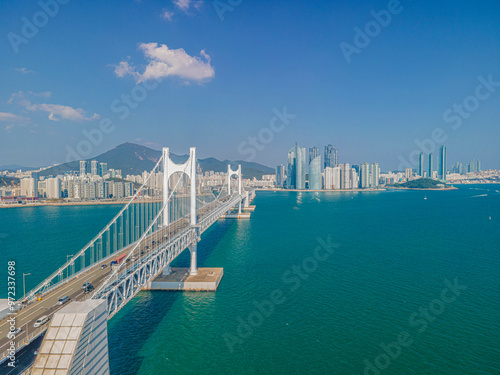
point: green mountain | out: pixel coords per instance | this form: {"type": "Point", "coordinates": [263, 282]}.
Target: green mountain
{"type": "Point", "coordinates": [133, 159]}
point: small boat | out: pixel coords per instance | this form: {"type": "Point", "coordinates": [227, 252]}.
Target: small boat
{"type": "Point", "coordinates": [425, 197]}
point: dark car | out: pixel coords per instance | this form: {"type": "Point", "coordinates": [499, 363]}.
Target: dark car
{"type": "Point", "coordinates": [88, 289]}
{"type": "Point", "coordinates": [103, 266]}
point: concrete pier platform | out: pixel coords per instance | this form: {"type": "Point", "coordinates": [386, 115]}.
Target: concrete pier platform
{"type": "Point", "coordinates": [208, 279]}
{"type": "Point", "coordinates": [249, 208]}
{"type": "Point", "coordinates": [243, 215]}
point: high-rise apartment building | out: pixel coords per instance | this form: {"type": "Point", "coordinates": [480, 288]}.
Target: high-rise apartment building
{"type": "Point", "coordinates": [365, 173]}
{"type": "Point", "coordinates": [375, 175]}
{"type": "Point", "coordinates": [280, 175]}
{"type": "Point", "coordinates": [313, 153]}
{"type": "Point", "coordinates": [94, 170]}
{"type": "Point", "coordinates": [315, 171]}
{"type": "Point", "coordinates": [291, 169]}
{"type": "Point", "coordinates": [300, 168]}
{"type": "Point", "coordinates": [103, 169]}
{"type": "Point", "coordinates": [442, 161]}
{"type": "Point", "coordinates": [331, 157]}
{"type": "Point", "coordinates": [421, 164]}
{"type": "Point", "coordinates": [430, 170]}
{"type": "Point", "coordinates": [83, 168]}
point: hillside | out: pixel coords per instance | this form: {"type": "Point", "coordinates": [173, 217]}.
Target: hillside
{"type": "Point", "coordinates": [422, 183]}
{"type": "Point", "coordinates": [133, 159]}
{"type": "Point", "coordinates": [8, 181]}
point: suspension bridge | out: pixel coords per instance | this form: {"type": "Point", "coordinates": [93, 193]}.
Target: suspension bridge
{"type": "Point", "coordinates": [167, 215]}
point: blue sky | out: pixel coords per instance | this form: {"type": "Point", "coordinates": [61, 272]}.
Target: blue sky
{"type": "Point", "coordinates": [222, 81]}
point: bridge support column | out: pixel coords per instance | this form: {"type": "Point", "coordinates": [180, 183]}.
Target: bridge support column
{"type": "Point", "coordinates": [193, 248]}
{"type": "Point", "coordinates": [247, 199]}
{"type": "Point", "coordinates": [167, 270]}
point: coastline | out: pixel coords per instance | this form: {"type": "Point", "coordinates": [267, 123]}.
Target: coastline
{"type": "Point", "coordinates": [44, 204]}
{"type": "Point", "coordinates": [325, 190]}
{"type": "Point", "coordinates": [424, 189]}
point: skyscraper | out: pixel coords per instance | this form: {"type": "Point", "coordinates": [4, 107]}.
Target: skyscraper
{"type": "Point", "coordinates": [472, 166]}
{"type": "Point", "coordinates": [315, 171]}
{"type": "Point", "coordinates": [313, 152]}
{"type": "Point", "coordinates": [365, 175]}
{"type": "Point", "coordinates": [431, 165]}
{"type": "Point", "coordinates": [103, 169]}
{"type": "Point", "coordinates": [83, 167]}
{"type": "Point", "coordinates": [331, 159]}
{"type": "Point", "coordinates": [478, 165]}
{"type": "Point", "coordinates": [345, 170]}
{"type": "Point", "coordinates": [300, 168]}
{"type": "Point", "coordinates": [93, 168]}
{"type": "Point", "coordinates": [421, 164]}
{"type": "Point", "coordinates": [375, 175]}
{"type": "Point", "coordinates": [280, 175]}
{"type": "Point", "coordinates": [442, 163]}
{"type": "Point", "coordinates": [291, 169]}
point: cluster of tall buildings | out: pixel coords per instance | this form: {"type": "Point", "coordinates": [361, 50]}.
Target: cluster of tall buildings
{"type": "Point", "coordinates": [428, 169]}
{"type": "Point", "coordinates": [304, 171]}
{"type": "Point", "coordinates": [471, 167]}
{"type": "Point", "coordinates": [74, 187]}
{"type": "Point", "coordinates": [94, 168]}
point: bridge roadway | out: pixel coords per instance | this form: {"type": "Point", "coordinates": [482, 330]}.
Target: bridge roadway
{"type": "Point", "coordinates": [73, 288]}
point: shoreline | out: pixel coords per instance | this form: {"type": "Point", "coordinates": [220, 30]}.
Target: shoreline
{"type": "Point", "coordinates": [55, 204]}
{"type": "Point", "coordinates": [324, 190]}
{"type": "Point", "coordinates": [424, 189]}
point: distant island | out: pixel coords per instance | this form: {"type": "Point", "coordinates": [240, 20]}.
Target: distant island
{"type": "Point", "coordinates": [423, 184]}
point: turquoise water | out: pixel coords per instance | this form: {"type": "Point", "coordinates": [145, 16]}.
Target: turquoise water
{"type": "Point", "coordinates": [380, 279]}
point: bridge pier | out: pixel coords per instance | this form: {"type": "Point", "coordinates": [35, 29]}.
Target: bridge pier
{"type": "Point", "coordinates": [193, 248]}
{"type": "Point", "coordinates": [167, 270]}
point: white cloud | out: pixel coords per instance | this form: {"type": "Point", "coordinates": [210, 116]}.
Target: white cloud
{"type": "Point", "coordinates": [4, 116]}
{"type": "Point", "coordinates": [56, 112]}
{"type": "Point", "coordinates": [165, 62]}
{"type": "Point", "coordinates": [61, 112]}
{"type": "Point", "coordinates": [24, 70]}
{"type": "Point", "coordinates": [20, 95]}
{"type": "Point", "coordinates": [184, 5]}
{"type": "Point", "coordinates": [12, 120]}
{"type": "Point", "coordinates": [123, 68]}
{"type": "Point", "coordinates": [167, 15]}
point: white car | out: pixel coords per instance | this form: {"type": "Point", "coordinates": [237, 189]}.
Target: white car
{"type": "Point", "coordinates": [41, 321]}
{"type": "Point", "coordinates": [63, 300]}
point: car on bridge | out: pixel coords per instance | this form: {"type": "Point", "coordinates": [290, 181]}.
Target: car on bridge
{"type": "Point", "coordinates": [86, 285]}
{"type": "Point", "coordinates": [12, 334]}
{"type": "Point", "coordinates": [41, 321]}
{"type": "Point", "coordinates": [63, 300]}
{"type": "Point", "coordinates": [103, 266]}
{"type": "Point", "coordinates": [88, 289]}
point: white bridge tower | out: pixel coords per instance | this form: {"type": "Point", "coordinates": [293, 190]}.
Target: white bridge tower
{"type": "Point", "coordinates": [189, 169]}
